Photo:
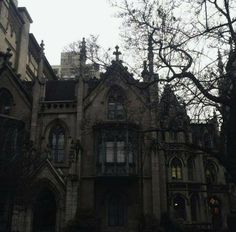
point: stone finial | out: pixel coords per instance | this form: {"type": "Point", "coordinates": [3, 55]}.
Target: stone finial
{"type": "Point", "coordinates": [42, 48]}
{"type": "Point", "coordinates": [117, 53]}
{"type": "Point", "coordinates": [150, 53]}
{"type": "Point", "coordinates": [220, 63]}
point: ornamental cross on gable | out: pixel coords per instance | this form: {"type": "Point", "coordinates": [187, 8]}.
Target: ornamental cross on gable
{"type": "Point", "coordinates": [117, 53]}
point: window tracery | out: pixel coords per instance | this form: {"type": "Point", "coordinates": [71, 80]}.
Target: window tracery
{"type": "Point", "coordinates": [57, 143]}
{"type": "Point", "coordinates": [115, 105]}
{"type": "Point", "coordinates": [176, 169]}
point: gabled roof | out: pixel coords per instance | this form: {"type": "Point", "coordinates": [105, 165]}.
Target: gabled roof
{"type": "Point", "coordinates": [118, 70]}
{"type": "Point", "coordinates": [172, 114]}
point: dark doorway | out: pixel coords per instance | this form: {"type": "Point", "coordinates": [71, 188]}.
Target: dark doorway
{"type": "Point", "coordinates": [44, 217]}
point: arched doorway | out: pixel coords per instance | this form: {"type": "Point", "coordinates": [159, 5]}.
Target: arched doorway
{"type": "Point", "coordinates": [44, 212]}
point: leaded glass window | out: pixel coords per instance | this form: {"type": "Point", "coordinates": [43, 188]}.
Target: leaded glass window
{"type": "Point", "coordinates": [57, 143]}
{"type": "Point", "coordinates": [115, 107]}
{"type": "Point", "coordinates": [176, 169]}
{"type": "Point", "coordinates": [116, 146]}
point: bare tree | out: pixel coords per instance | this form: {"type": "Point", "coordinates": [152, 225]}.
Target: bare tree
{"type": "Point", "coordinates": [194, 49]}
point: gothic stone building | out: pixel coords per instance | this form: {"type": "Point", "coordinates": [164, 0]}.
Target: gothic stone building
{"type": "Point", "coordinates": [104, 154]}
{"type": "Point", "coordinates": [99, 154]}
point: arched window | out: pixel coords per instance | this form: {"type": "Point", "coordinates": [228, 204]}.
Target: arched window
{"type": "Point", "coordinates": [115, 105]}
{"type": "Point", "coordinates": [116, 211]}
{"type": "Point", "coordinates": [179, 207]}
{"type": "Point", "coordinates": [211, 176]}
{"type": "Point", "coordinates": [190, 166]}
{"type": "Point", "coordinates": [6, 101]}
{"type": "Point", "coordinates": [57, 143]}
{"type": "Point", "coordinates": [176, 169]}
{"type": "Point", "coordinates": [194, 204]}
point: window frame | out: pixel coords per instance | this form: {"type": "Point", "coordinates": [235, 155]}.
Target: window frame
{"type": "Point", "coordinates": [176, 169]}
{"type": "Point", "coordinates": [116, 104]}
{"type": "Point", "coordinates": [58, 149]}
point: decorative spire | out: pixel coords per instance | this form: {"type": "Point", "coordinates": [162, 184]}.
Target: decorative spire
{"type": "Point", "coordinates": [117, 53]}
{"type": "Point", "coordinates": [41, 56]}
{"type": "Point", "coordinates": [150, 53]}
{"type": "Point", "coordinates": [220, 63]}
{"type": "Point", "coordinates": [83, 51]}
{"type": "Point", "coordinates": [145, 72]}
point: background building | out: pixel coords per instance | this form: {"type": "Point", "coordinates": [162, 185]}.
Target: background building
{"type": "Point", "coordinates": [70, 67]}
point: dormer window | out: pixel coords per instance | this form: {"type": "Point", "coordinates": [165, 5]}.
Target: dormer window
{"type": "Point", "coordinates": [6, 101]}
{"type": "Point", "coordinates": [115, 105]}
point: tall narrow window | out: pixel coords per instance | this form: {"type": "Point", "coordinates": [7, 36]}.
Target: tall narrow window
{"type": "Point", "coordinates": [57, 143]}
{"type": "Point", "coordinates": [176, 169]}
{"type": "Point", "coordinates": [115, 107]}
{"type": "Point", "coordinates": [190, 166]}
{"type": "Point", "coordinates": [6, 101]}
{"type": "Point", "coordinates": [179, 207]}
{"type": "Point", "coordinates": [116, 211]}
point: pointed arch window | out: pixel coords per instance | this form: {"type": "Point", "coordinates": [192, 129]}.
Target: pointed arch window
{"type": "Point", "coordinates": [176, 169]}
{"type": "Point", "coordinates": [57, 143]}
{"type": "Point", "coordinates": [211, 175]}
{"type": "Point", "coordinates": [191, 167]}
{"type": "Point", "coordinates": [116, 211]}
{"type": "Point", "coordinates": [179, 207]}
{"type": "Point", "coordinates": [6, 101]}
{"type": "Point", "coordinates": [115, 105]}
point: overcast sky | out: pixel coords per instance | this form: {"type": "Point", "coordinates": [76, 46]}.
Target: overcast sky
{"type": "Point", "coordinates": [60, 22]}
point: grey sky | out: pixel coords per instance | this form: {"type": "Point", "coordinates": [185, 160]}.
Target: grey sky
{"type": "Point", "coordinates": [60, 22]}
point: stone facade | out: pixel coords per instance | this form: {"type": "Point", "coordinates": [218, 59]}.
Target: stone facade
{"type": "Point", "coordinates": [105, 154]}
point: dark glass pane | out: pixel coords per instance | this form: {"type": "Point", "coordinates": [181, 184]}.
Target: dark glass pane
{"type": "Point", "coordinates": [57, 143]}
